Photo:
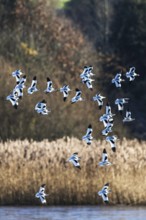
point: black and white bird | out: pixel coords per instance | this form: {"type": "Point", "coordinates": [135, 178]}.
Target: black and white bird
{"type": "Point", "coordinates": [49, 88]}
{"type": "Point", "coordinates": [41, 194]}
{"type": "Point", "coordinates": [109, 111]}
{"type": "Point", "coordinates": [99, 99]}
{"type": "Point", "coordinates": [107, 129]}
{"type": "Point", "coordinates": [106, 119]}
{"type": "Point", "coordinates": [104, 193]}
{"type": "Point", "coordinates": [104, 161]}
{"type": "Point", "coordinates": [22, 81]}
{"type": "Point", "coordinates": [65, 90]}
{"type": "Point", "coordinates": [18, 90]}
{"type": "Point", "coordinates": [120, 103]}
{"type": "Point", "coordinates": [86, 77]}
{"type": "Point", "coordinates": [74, 159]}
{"type": "Point", "coordinates": [17, 74]}
{"type": "Point", "coordinates": [77, 96]}
{"type": "Point", "coordinates": [41, 108]}
{"type": "Point", "coordinates": [88, 82]}
{"type": "Point", "coordinates": [13, 99]}
{"type": "Point", "coordinates": [117, 80]}
{"type": "Point", "coordinates": [33, 87]}
{"type": "Point", "coordinates": [128, 117]}
{"type": "Point", "coordinates": [87, 72]}
{"type": "Point", "coordinates": [131, 74]}
{"type": "Point", "coordinates": [88, 136]}
{"type": "Point", "coordinates": [112, 140]}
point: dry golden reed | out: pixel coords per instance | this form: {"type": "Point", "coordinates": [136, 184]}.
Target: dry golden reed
{"type": "Point", "coordinates": [25, 165]}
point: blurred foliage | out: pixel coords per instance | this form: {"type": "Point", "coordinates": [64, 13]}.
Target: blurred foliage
{"type": "Point", "coordinates": [40, 40]}
{"type": "Point", "coordinates": [44, 44]}
{"type": "Point", "coordinates": [118, 32]}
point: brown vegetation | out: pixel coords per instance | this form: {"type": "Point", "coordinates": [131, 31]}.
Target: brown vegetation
{"type": "Point", "coordinates": [25, 165]}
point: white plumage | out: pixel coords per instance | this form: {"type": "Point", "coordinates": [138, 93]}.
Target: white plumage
{"type": "Point", "coordinates": [41, 194]}
{"type": "Point", "coordinates": [104, 193]}
{"type": "Point", "coordinates": [104, 161]}
{"type": "Point", "coordinates": [65, 90]}
{"type": "Point", "coordinates": [117, 80]}
{"type": "Point", "coordinates": [41, 108]}
{"type": "Point", "coordinates": [88, 137]}
{"type": "Point", "coordinates": [120, 103]}
{"type": "Point", "coordinates": [50, 87]}
{"type": "Point", "coordinates": [112, 140]}
{"type": "Point", "coordinates": [77, 97]}
{"type": "Point", "coordinates": [131, 74]}
{"type": "Point", "coordinates": [33, 87]}
{"type": "Point", "coordinates": [99, 99]}
{"type": "Point", "coordinates": [128, 117]}
{"type": "Point", "coordinates": [74, 159]}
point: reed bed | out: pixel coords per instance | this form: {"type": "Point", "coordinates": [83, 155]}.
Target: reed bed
{"type": "Point", "coordinates": [25, 165]}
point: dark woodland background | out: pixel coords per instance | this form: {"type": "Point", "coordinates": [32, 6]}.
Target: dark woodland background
{"type": "Point", "coordinates": [45, 39]}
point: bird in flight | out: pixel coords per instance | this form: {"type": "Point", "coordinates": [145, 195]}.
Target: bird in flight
{"type": "Point", "coordinates": [131, 74]}
{"type": "Point", "coordinates": [99, 99]}
{"type": "Point", "coordinates": [112, 140]}
{"type": "Point", "coordinates": [74, 159]}
{"type": "Point", "coordinates": [65, 90]}
{"type": "Point", "coordinates": [104, 193]}
{"type": "Point", "coordinates": [104, 161]}
{"type": "Point", "coordinates": [50, 87]}
{"type": "Point", "coordinates": [77, 96]}
{"type": "Point", "coordinates": [33, 87]}
{"type": "Point", "coordinates": [128, 117]}
{"type": "Point", "coordinates": [41, 194]}
{"type": "Point", "coordinates": [88, 136]}
{"type": "Point", "coordinates": [117, 80]}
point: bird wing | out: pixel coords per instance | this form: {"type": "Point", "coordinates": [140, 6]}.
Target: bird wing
{"type": "Point", "coordinates": [132, 69]}
{"type": "Point", "coordinates": [89, 131]}
{"type": "Point", "coordinates": [76, 163]}
{"type": "Point", "coordinates": [78, 94]}
{"type": "Point", "coordinates": [105, 187]}
{"type": "Point", "coordinates": [105, 197]}
{"type": "Point", "coordinates": [132, 77]}
{"type": "Point", "coordinates": [88, 84]}
{"type": "Point", "coordinates": [120, 106]}
{"type": "Point", "coordinates": [65, 94]}
{"type": "Point", "coordinates": [108, 110]}
{"type": "Point", "coordinates": [42, 198]}
{"type": "Point", "coordinates": [118, 76]}
{"type": "Point", "coordinates": [33, 84]}
{"type": "Point", "coordinates": [118, 84]}
{"type": "Point", "coordinates": [104, 156]}
{"type": "Point", "coordinates": [50, 84]}
{"type": "Point", "coordinates": [42, 189]}
{"type": "Point", "coordinates": [112, 143]}
{"type": "Point", "coordinates": [88, 141]}
{"type": "Point", "coordinates": [128, 114]}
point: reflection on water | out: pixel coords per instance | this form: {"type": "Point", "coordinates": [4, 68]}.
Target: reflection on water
{"type": "Point", "coordinates": [73, 213]}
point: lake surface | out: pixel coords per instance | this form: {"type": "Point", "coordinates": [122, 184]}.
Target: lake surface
{"type": "Point", "coordinates": [73, 213]}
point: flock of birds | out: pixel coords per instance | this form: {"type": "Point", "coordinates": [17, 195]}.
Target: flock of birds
{"type": "Point", "coordinates": [107, 118]}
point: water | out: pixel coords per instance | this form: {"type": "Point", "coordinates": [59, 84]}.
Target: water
{"type": "Point", "coordinates": [73, 213]}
